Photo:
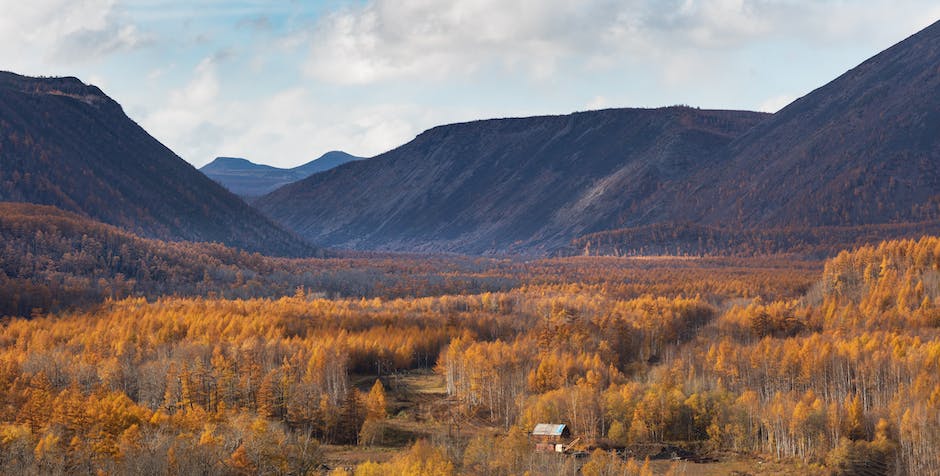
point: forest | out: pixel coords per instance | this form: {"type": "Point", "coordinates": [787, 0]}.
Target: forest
{"type": "Point", "coordinates": [677, 365]}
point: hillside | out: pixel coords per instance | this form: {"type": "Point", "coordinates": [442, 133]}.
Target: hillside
{"type": "Point", "coordinates": [856, 161]}
{"type": "Point", "coordinates": [67, 144]}
{"type": "Point", "coordinates": [250, 180]}
{"type": "Point", "coordinates": [506, 185]}
{"type": "Point", "coordinates": [51, 259]}
{"type": "Point", "coordinates": [860, 154]}
{"type": "Point", "coordinates": [863, 149]}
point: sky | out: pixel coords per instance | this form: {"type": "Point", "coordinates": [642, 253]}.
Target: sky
{"type": "Point", "coordinates": [281, 82]}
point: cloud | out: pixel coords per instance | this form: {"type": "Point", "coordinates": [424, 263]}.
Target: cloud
{"type": "Point", "coordinates": [286, 128]}
{"type": "Point", "coordinates": [88, 44]}
{"type": "Point", "coordinates": [384, 40]}
{"type": "Point", "coordinates": [281, 82]}
{"type": "Point", "coordinates": [293, 126]}
{"type": "Point", "coordinates": [53, 32]}
{"type": "Point", "coordinates": [257, 23]}
{"type": "Point", "coordinates": [189, 122]}
{"type": "Point", "coordinates": [410, 53]}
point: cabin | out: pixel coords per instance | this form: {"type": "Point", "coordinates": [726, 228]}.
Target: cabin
{"type": "Point", "coordinates": [550, 437]}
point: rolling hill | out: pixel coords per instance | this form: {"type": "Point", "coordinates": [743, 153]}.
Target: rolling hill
{"type": "Point", "coordinates": [67, 144]}
{"type": "Point", "coordinates": [860, 153]}
{"type": "Point", "coordinates": [250, 180]}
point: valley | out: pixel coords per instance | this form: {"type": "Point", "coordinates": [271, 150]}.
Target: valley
{"type": "Point", "coordinates": [726, 361]}
{"type": "Point", "coordinates": [628, 291]}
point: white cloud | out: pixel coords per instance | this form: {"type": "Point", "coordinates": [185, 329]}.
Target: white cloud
{"type": "Point", "coordinates": [189, 122]}
{"type": "Point", "coordinates": [286, 128]}
{"type": "Point", "coordinates": [290, 81]}
{"type": "Point", "coordinates": [430, 40]}
{"type": "Point", "coordinates": [387, 39]}
{"type": "Point", "coordinates": [293, 127]}
{"type": "Point", "coordinates": [38, 33]}
{"type": "Point", "coordinates": [411, 44]}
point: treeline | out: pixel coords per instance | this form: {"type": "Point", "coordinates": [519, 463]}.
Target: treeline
{"type": "Point", "coordinates": [859, 378]}
{"type": "Point", "coordinates": [52, 260]}
{"type": "Point", "coordinates": [688, 239]}
{"type": "Point", "coordinates": [840, 377]}
{"type": "Point", "coordinates": [844, 379]}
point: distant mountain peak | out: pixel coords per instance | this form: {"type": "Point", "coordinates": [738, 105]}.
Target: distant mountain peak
{"type": "Point", "coordinates": [334, 152]}
{"type": "Point", "coordinates": [232, 160]}
{"type": "Point", "coordinates": [250, 180]}
{"type": "Point", "coordinates": [224, 164]}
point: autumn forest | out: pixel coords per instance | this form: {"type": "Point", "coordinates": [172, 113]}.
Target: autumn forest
{"type": "Point", "coordinates": [623, 291]}
{"type": "Point", "coordinates": [655, 364]}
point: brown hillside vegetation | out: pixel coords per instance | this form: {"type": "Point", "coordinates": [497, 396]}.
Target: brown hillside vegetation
{"type": "Point", "coordinates": [701, 240]}
{"type": "Point", "coordinates": [716, 360]}
{"type": "Point", "coordinates": [52, 259]}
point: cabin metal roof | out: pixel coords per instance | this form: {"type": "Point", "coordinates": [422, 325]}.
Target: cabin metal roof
{"type": "Point", "coordinates": [548, 429]}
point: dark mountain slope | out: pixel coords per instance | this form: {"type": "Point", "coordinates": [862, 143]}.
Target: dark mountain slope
{"type": "Point", "coordinates": [67, 144]}
{"type": "Point", "coordinates": [859, 156]}
{"type": "Point", "coordinates": [250, 180]}
{"type": "Point", "coordinates": [504, 185]}
{"type": "Point", "coordinates": [863, 149]}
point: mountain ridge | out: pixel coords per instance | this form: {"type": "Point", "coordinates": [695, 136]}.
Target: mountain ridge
{"type": "Point", "coordinates": [862, 144]}
{"type": "Point", "coordinates": [861, 150]}
{"type": "Point", "coordinates": [440, 195]}
{"type": "Point", "coordinates": [67, 144]}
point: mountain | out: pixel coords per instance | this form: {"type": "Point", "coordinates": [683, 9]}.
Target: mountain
{"type": "Point", "coordinates": [506, 185]}
{"type": "Point", "coordinates": [325, 162]}
{"type": "Point", "coordinates": [859, 156]}
{"type": "Point", "coordinates": [863, 149]}
{"type": "Point", "coordinates": [250, 180]}
{"type": "Point", "coordinates": [67, 144]}
{"type": "Point", "coordinates": [856, 161]}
